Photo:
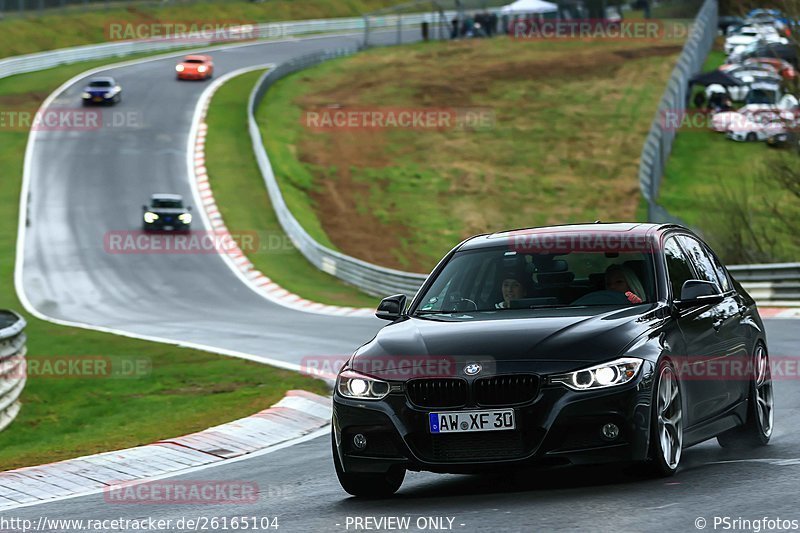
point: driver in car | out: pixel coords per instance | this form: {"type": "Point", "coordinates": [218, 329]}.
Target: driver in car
{"type": "Point", "coordinates": [513, 288]}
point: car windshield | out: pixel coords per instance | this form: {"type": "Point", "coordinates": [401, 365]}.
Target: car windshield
{"type": "Point", "coordinates": [762, 96]}
{"type": "Point", "coordinates": [168, 204]}
{"type": "Point", "coordinates": [499, 279]}
{"type": "Point", "coordinates": [100, 83]}
{"type": "Point", "coordinates": [194, 61]}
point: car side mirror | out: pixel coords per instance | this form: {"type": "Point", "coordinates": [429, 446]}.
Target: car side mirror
{"type": "Point", "coordinates": [144, 208]}
{"type": "Point", "coordinates": [188, 208]}
{"type": "Point", "coordinates": [696, 292]}
{"type": "Point", "coordinates": [391, 308]}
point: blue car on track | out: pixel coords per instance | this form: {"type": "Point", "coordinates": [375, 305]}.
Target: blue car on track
{"type": "Point", "coordinates": [103, 90]}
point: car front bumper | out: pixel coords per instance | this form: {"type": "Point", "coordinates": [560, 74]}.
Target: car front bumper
{"type": "Point", "coordinates": [158, 225]}
{"type": "Point", "coordinates": [97, 100]}
{"type": "Point", "coordinates": [559, 427]}
{"type": "Point", "coordinates": [192, 75]}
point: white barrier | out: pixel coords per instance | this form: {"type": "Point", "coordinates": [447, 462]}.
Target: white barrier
{"type": "Point", "coordinates": [12, 365]}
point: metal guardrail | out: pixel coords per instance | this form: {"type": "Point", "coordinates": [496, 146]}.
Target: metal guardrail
{"type": "Point", "coordinates": [777, 283]}
{"type": "Point", "coordinates": [373, 279]}
{"type": "Point", "coordinates": [658, 145]}
{"type": "Point", "coordinates": [272, 30]}
{"type": "Point", "coordinates": [12, 365]}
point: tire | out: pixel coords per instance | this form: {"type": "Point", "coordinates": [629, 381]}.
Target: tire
{"type": "Point", "coordinates": [666, 422]}
{"type": "Point", "coordinates": [759, 425]}
{"type": "Point", "coordinates": [367, 485]}
{"type": "Point", "coordinates": [751, 137]}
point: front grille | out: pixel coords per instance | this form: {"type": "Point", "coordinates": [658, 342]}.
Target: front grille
{"type": "Point", "coordinates": [483, 446]}
{"type": "Point", "coordinates": [437, 393]}
{"type": "Point", "coordinates": [506, 390]}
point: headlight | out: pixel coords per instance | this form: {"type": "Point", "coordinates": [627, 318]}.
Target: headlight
{"type": "Point", "coordinates": [180, 68]}
{"type": "Point", "coordinates": [360, 387]}
{"type": "Point", "coordinates": [109, 94]}
{"type": "Point", "coordinates": [150, 217]}
{"type": "Point", "coordinates": [86, 95]}
{"type": "Point", "coordinates": [186, 218]}
{"type": "Point", "coordinates": [601, 376]}
{"type": "Point", "coordinates": [201, 69]}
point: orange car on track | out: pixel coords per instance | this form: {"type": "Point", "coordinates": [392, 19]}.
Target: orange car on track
{"type": "Point", "coordinates": [195, 68]}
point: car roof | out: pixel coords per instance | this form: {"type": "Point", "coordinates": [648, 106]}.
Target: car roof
{"type": "Point", "coordinates": [201, 58]}
{"type": "Point", "coordinates": [102, 78]}
{"type": "Point", "coordinates": [504, 238]}
{"type": "Point", "coordinates": [166, 196]}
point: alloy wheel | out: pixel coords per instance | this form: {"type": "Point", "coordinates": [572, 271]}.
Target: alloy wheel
{"type": "Point", "coordinates": [670, 417]}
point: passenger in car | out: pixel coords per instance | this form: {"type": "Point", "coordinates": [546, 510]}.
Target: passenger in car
{"type": "Point", "coordinates": [622, 279]}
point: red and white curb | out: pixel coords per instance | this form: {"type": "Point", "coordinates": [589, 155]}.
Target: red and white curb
{"type": "Point", "coordinates": [779, 312]}
{"type": "Point", "coordinates": [233, 254]}
{"type": "Point", "coordinates": [299, 414]}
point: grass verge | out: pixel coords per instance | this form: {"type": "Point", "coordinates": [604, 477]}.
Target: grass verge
{"type": "Point", "coordinates": [58, 29]}
{"type": "Point", "coordinates": [568, 122]}
{"type": "Point", "coordinates": [184, 390]}
{"type": "Point", "coordinates": [245, 205]}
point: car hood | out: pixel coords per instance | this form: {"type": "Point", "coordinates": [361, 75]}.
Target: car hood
{"type": "Point", "coordinates": [552, 340]}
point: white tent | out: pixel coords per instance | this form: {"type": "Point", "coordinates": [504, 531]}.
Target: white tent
{"type": "Point", "coordinates": [521, 7]}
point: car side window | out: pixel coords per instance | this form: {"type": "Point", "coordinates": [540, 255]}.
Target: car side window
{"type": "Point", "coordinates": [679, 268]}
{"type": "Point", "coordinates": [722, 274]}
{"type": "Point", "coordinates": [700, 259]}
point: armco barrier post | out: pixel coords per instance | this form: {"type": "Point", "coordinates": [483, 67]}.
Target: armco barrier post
{"type": "Point", "coordinates": [12, 365]}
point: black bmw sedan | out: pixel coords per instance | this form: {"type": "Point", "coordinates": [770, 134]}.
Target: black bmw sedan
{"type": "Point", "coordinates": [561, 345]}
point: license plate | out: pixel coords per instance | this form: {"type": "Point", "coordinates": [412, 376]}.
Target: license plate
{"type": "Point", "coordinates": [98, 99]}
{"type": "Point", "coordinates": [168, 228]}
{"type": "Point", "coordinates": [468, 421]}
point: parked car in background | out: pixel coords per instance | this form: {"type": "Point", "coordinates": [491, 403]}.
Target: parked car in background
{"type": "Point", "coordinates": [748, 35]}
{"type": "Point", "coordinates": [726, 120]}
{"type": "Point", "coordinates": [757, 128]}
{"type": "Point", "coordinates": [781, 66]}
